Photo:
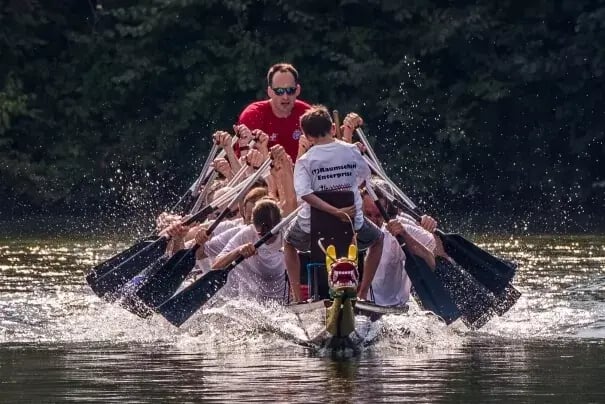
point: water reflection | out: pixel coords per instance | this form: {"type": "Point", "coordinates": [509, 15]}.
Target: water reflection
{"type": "Point", "coordinates": [480, 371]}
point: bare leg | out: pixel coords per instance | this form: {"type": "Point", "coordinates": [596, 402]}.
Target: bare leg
{"type": "Point", "coordinates": [293, 269]}
{"type": "Point", "coordinates": [370, 266]}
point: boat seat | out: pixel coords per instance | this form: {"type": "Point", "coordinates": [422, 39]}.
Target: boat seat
{"type": "Point", "coordinates": [332, 231]}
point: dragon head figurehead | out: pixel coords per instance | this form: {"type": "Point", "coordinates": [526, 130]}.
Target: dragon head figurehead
{"type": "Point", "coordinates": [342, 272]}
{"type": "Point", "coordinates": [342, 278]}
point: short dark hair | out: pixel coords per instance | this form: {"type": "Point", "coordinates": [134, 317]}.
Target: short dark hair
{"type": "Point", "coordinates": [265, 215]}
{"type": "Point", "coordinates": [283, 68]}
{"type": "Point", "coordinates": [316, 121]}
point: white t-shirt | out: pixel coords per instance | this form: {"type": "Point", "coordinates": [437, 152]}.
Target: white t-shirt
{"type": "Point", "coordinates": [423, 236]}
{"type": "Point", "coordinates": [228, 224]}
{"type": "Point", "coordinates": [217, 243]}
{"type": "Point", "coordinates": [336, 166]}
{"type": "Point", "coordinates": [261, 276]}
{"type": "Point", "coordinates": [213, 247]}
{"type": "Point", "coordinates": [220, 236]}
{"type": "Point", "coordinates": [391, 284]}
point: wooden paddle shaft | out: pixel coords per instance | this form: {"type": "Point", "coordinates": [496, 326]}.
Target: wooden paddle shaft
{"type": "Point", "coordinates": [336, 119]}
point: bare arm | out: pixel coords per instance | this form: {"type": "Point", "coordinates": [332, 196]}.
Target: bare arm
{"type": "Point", "coordinates": [272, 188]}
{"type": "Point", "coordinates": [177, 232]}
{"type": "Point", "coordinates": [286, 191]}
{"type": "Point", "coordinates": [224, 140]}
{"type": "Point", "coordinates": [350, 123]}
{"type": "Point", "coordinates": [232, 158]}
{"type": "Point", "coordinates": [414, 246]}
{"type": "Point", "coordinates": [304, 144]}
{"type": "Point", "coordinates": [344, 214]}
{"type": "Point", "coordinates": [223, 260]}
{"type": "Point", "coordinates": [201, 237]}
{"type": "Point", "coordinates": [222, 166]}
{"type": "Point", "coordinates": [283, 171]}
{"type": "Point", "coordinates": [419, 250]}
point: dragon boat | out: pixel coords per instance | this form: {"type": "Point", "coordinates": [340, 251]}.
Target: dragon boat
{"type": "Point", "coordinates": [449, 292]}
{"type": "Point", "coordinates": [332, 274]}
{"type": "Point", "coordinates": [330, 280]}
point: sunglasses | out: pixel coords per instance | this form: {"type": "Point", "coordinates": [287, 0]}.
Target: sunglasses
{"type": "Point", "coordinates": [284, 90]}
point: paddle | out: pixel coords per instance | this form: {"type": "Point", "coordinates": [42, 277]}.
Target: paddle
{"type": "Point", "coordinates": [201, 180]}
{"type": "Point", "coordinates": [336, 119]}
{"type": "Point", "coordinates": [469, 287]}
{"type": "Point", "coordinates": [474, 301]}
{"type": "Point", "coordinates": [160, 286]}
{"type": "Point", "coordinates": [160, 280]}
{"type": "Point", "coordinates": [109, 264]}
{"type": "Point", "coordinates": [492, 272]}
{"type": "Point", "coordinates": [489, 270]}
{"type": "Point", "coordinates": [212, 175]}
{"type": "Point", "coordinates": [182, 306]}
{"type": "Point", "coordinates": [144, 254]}
{"type": "Point", "coordinates": [210, 178]}
{"type": "Point", "coordinates": [369, 151]}
{"type": "Point", "coordinates": [128, 299]}
{"type": "Point", "coordinates": [430, 291]}
{"type": "Point", "coordinates": [102, 269]}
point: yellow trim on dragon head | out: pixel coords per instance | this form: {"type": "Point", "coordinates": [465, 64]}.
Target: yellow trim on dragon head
{"type": "Point", "coordinates": [353, 254]}
{"type": "Point", "coordinates": [331, 255]}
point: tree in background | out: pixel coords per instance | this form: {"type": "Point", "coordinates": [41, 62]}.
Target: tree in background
{"type": "Point", "coordinates": [468, 102]}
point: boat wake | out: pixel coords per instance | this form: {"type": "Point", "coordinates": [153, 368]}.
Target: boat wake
{"type": "Point", "coordinates": [75, 316]}
{"type": "Point", "coordinates": [66, 315]}
{"type": "Point", "coordinates": [244, 326]}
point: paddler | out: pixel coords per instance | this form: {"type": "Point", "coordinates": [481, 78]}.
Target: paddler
{"type": "Point", "coordinates": [261, 276]}
{"type": "Point", "coordinates": [391, 285]}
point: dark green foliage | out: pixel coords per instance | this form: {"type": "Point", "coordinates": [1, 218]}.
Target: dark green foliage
{"type": "Point", "coordinates": [469, 101]}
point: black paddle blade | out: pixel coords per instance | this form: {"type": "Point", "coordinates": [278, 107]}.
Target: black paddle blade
{"type": "Point", "coordinates": [492, 272]}
{"type": "Point", "coordinates": [161, 285]}
{"type": "Point", "coordinates": [112, 281]}
{"type": "Point", "coordinates": [429, 289]}
{"type": "Point", "coordinates": [108, 265]}
{"type": "Point", "coordinates": [179, 308]}
{"type": "Point", "coordinates": [128, 297]}
{"type": "Point", "coordinates": [473, 300]}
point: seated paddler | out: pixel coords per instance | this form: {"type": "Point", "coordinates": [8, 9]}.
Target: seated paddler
{"type": "Point", "coordinates": [261, 275]}
{"type": "Point", "coordinates": [391, 284]}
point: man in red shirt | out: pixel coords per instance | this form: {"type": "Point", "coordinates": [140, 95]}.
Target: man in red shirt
{"type": "Point", "coordinates": [279, 116]}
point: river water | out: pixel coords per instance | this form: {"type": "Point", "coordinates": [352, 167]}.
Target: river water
{"type": "Point", "coordinates": [60, 343]}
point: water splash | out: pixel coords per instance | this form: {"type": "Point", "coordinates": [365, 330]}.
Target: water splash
{"type": "Point", "coordinates": [44, 299]}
